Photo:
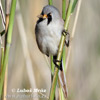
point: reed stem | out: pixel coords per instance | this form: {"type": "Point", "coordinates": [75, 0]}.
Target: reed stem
{"type": "Point", "coordinates": [60, 50]}
{"type": "Point", "coordinates": [9, 38]}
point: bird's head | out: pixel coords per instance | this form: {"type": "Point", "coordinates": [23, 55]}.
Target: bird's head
{"type": "Point", "coordinates": [50, 13]}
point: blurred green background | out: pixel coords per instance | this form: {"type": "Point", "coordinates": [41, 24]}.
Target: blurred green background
{"type": "Point", "coordinates": [83, 73]}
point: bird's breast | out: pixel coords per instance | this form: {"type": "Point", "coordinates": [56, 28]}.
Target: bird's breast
{"type": "Point", "coordinates": [48, 38]}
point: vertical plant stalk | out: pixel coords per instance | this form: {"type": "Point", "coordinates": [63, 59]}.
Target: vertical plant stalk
{"type": "Point", "coordinates": [7, 11]}
{"type": "Point", "coordinates": [5, 84]}
{"type": "Point", "coordinates": [9, 38]}
{"type": "Point", "coordinates": [2, 48]}
{"type": "Point", "coordinates": [64, 16]}
{"type": "Point", "coordinates": [73, 32]}
{"type": "Point", "coordinates": [52, 65]}
{"type": "Point", "coordinates": [63, 9]}
{"type": "Point", "coordinates": [61, 95]}
{"type": "Point", "coordinates": [60, 50]}
{"type": "Point", "coordinates": [50, 2]}
{"type": "Point", "coordinates": [6, 71]}
{"type": "Point", "coordinates": [24, 42]}
{"type": "Point", "coordinates": [3, 20]}
{"type": "Point", "coordinates": [2, 15]}
{"type": "Point", "coordinates": [2, 57]}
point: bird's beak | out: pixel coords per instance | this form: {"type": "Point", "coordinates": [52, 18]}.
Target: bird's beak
{"type": "Point", "coordinates": [42, 16]}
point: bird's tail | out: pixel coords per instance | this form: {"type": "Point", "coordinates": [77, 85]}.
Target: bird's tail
{"type": "Point", "coordinates": [63, 81]}
{"type": "Point", "coordinates": [62, 77]}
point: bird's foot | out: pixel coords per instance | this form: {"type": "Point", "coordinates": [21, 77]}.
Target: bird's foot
{"type": "Point", "coordinates": [58, 66]}
{"type": "Point", "coordinates": [66, 33]}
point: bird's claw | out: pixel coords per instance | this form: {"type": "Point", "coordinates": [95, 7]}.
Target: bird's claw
{"type": "Point", "coordinates": [67, 41]}
{"type": "Point", "coordinates": [58, 66]}
{"type": "Point", "coordinates": [65, 32]}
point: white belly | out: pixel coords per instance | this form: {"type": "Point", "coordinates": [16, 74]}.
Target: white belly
{"type": "Point", "coordinates": [50, 45]}
{"type": "Point", "coordinates": [48, 38]}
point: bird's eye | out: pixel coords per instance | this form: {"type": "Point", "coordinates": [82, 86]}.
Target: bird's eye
{"type": "Point", "coordinates": [49, 18]}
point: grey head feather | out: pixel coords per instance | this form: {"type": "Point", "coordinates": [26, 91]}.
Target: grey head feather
{"type": "Point", "coordinates": [51, 9]}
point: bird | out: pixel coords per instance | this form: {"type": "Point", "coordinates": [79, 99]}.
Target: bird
{"type": "Point", "coordinates": [48, 30]}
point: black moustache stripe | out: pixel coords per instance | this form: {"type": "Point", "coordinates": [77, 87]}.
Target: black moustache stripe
{"type": "Point", "coordinates": [49, 19]}
{"type": "Point", "coordinates": [40, 20]}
